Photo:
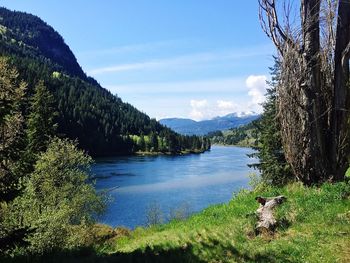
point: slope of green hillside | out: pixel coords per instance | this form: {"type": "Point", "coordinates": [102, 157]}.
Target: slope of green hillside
{"type": "Point", "coordinates": [101, 121]}
{"type": "Point", "coordinates": [245, 135]}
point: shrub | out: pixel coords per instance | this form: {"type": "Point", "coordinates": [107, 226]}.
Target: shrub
{"type": "Point", "coordinates": [58, 203]}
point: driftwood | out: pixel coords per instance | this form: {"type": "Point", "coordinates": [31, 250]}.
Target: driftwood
{"type": "Point", "coordinates": [267, 221]}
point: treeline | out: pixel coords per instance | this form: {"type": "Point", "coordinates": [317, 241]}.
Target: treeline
{"type": "Point", "coordinates": [101, 122]}
{"type": "Point", "coordinates": [246, 135]}
{"type": "Point", "coordinates": [168, 143]}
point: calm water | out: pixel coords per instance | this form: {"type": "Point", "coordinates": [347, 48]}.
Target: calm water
{"type": "Point", "coordinates": [197, 180]}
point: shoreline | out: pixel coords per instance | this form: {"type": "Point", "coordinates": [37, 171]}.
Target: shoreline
{"type": "Point", "coordinates": [169, 153]}
{"type": "Point", "coordinates": [233, 145]}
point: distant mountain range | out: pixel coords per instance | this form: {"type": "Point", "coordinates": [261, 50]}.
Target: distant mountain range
{"type": "Point", "coordinates": [191, 127]}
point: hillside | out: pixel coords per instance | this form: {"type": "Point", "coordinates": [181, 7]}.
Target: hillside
{"type": "Point", "coordinates": [314, 227]}
{"type": "Point", "coordinates": [27, 35]}
{"type": "Point", "coordinates": [191, 127]}
{"type": "Point", "coordinates": [101, 121]}
{"type": "Point", "coordinates": [246, 135]}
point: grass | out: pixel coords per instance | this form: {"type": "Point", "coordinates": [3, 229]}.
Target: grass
{"type": "Point", "coordinates": [314, 226]}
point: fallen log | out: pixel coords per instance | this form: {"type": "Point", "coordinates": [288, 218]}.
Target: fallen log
{"type": "Point", "coordinates": [266, 219]}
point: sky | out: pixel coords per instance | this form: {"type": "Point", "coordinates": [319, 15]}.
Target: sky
{"type": "Point", "coordinates": [186, 58]}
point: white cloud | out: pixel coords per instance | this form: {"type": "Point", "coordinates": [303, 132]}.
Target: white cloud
{"type": "Point", "coordinates": [132, 48]}
{"type": "Point", "coordinates": [125, 67]}
{"type": "Point", "coordinates": [204, 110]}
{"type": "Point", "coordinates": [226, 105]}
{"type": "Point", "coordinates": [199, 109]}
{"type": "Point", "coordinates": [218, 86]}
{"type": "Point", "coordinates": [193, 60]}
{"type": "Point", "coordinates": [199, 103]}
{"type": "Point", "coordinates": [257, 86]}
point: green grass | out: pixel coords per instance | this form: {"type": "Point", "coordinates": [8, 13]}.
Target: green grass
{"type": "Point", "coordinates": [314, 226]}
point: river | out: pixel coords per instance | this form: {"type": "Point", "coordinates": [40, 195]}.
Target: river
{"type": "Point", "coordinates": [194, 181]}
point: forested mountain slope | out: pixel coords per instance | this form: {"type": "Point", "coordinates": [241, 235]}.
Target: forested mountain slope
{"type": "Point", "coordinates": [245, 135]}
{"type": "Point", "coordinates": [101, 121]}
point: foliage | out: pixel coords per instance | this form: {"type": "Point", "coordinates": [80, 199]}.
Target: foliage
{"type": "Point", "coordinates": [11, 128]}
{"type": "Point", "coordinates": [154, 214]}
{"type": "Point", "coordinates": [182, 212]}
{"type": "Point", "coordinates": [347, 174]}
{"type": "Point", "coordinates": [41, 126]}
{"type": "Point", "coordinates": [272, 163]}
{"type": "Point", "coordinates": [58, 202]}
{"type": "Point", "coordinates": [12, 93]}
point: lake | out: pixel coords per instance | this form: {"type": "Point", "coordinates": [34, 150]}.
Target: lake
{"type": "Point", "coordinates": [194, 181]}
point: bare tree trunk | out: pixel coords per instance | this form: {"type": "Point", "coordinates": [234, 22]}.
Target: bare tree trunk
{"type": "Point", "coordinates": [341, 102]}
{"type": "Point", "coordinates": [315, 158]}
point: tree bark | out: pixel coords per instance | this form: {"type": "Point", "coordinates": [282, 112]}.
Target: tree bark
{"type": "Point", "coordinates": [314, 122]}
{"type": "Point", "coordinates": [341, 103]}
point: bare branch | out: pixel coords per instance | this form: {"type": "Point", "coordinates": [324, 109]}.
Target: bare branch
{"type": "Point", "coordinates": [272, 27]}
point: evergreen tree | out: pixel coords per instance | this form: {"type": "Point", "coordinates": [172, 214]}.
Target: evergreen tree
{"type": "Point", "coordinates": [272, 163]}
{"type": "Point", "coordinates": [41, 125]}
{"type": "Point", "coordinates": [11, 128]}
{"type": "Point", "coordinates": [12, 93]}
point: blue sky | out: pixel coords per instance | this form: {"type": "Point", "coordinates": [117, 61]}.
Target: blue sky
{"type": "Point", "coordinates": [183, 58]}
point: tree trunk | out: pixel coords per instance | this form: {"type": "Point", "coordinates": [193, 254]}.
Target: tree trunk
{"type": "Point", "coordinates": [266, 219]}
{"type": "Point", "coordinates": [314, 122]}
{"type": "Point", "coordinates": [341, 103]}
{"type": "Point", "coordinates": [313, 94]}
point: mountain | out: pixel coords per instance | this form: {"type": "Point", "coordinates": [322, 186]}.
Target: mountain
{"type": "Point", "coordinates": [191, 127]}
{"type": "Point", "coordinates": [101, 121]}
{"type": "Point", "coordinates": [28, 35]}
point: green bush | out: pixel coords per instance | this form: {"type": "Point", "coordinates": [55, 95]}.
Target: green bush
{"type": "Point", "coordinates": [58, 203]}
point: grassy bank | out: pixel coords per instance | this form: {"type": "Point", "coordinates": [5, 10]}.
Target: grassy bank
{"type": "Point", "coordinates": [314, 227]}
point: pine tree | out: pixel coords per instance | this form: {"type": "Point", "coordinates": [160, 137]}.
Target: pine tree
{"type": "Point", "coordinates": [12, 93]}
{"type": "Point", "coordinates": [272, 163]}
{"type": "Point", "coordinates": [41, 125]}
